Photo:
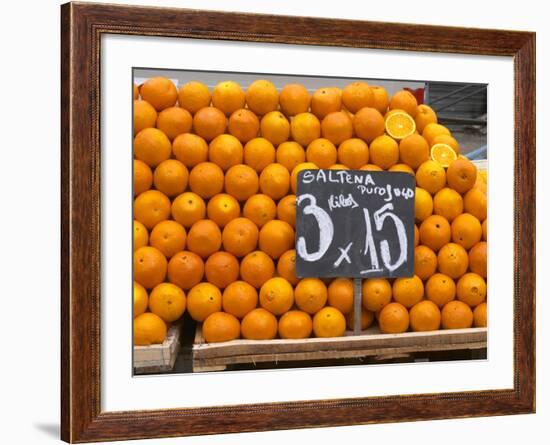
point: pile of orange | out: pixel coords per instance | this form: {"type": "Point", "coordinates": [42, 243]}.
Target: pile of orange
{"type": "Point", "coordinates": [215, 210]}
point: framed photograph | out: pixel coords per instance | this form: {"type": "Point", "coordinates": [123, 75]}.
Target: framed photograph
{"type": "Point", "coordinates": [274, 222]}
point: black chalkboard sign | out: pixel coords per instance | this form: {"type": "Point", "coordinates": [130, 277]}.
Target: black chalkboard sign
{"type": "Point", "coordinates": [354, 223]}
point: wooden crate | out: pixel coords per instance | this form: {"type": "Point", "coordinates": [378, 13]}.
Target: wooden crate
{"type": "Point", "coordinates": [158, 358]}
{"type": "Point", "coordinates": [370, 343]}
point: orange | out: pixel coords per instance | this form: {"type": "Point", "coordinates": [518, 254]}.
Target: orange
{"type": "Point", "coordinates": [321, 152]}
{"type": "Point", "coordinates": [149, 329]}
{"type": "Point", "coordinates": [304, 128]}
{"type": "Point", "coordinates": [259, 324]}
{"type": "Point", "coordinates": [206, 179]}
{"type": "Point", "coordinates": [484, 230]}
{"type": "Point", "coordinates": [380, 98]}
{"type": "Point", "coordinates": [408, 291]}
{"type": "Point", "coordinates": [260, 209]}
{"type": "Point", "coordinates": [480, 316]}
{"type": "Point", "coordinates": [259, 153]}
{"type": "Point", "coordinates": [377, 293]}
{"type": "Point", "coordinates": [353, 153]}
{"type": "Point", "coordinates": [160, 92]}
{"type": "Point", "coordinates": [367, 317]}
{"type": "Point", "coordinates": [276, 295]}
{"type": "Point", "coordinates": [240, 237]}
{"type": "Point", "coordinates": [475, 203]}
{"type": "Point", "coordinates": [228, 97]}
{"type": "Point", "coordinates": [448, 203]}
{"type": "Point", "coordinates": [446, 139]}
{"type": "Point", "coordinates": [370, 167]}
{"type": "Point", "coordinates": [222, 208]}
{"type": "Point", "coordinates": [221, 269]}
{"type": "Point", "coordinates": [149, 267]}
{"type": "Point", "coordinates": [275, 128]}
{"type": "Point", "coordinates": [329, 322]}
{"type": "Point", "coordinates": [145, 116]}
{"type": "Point", "coordinates": [442, 154]}
{"type": "Point", "coordinates": [225, 151]}
{"type": "Point", "coordinates": [168, 237]}
{"type": "Point", "coordinates": [368, 124]}
{"type": "Point", "coordinates": [190, 149]}
{"type": "Point", "coordinates": [171, 177]}
{"type": "Point", "coordinates": [298, 169]}
{"type": "Point", "coordinates": [393, 319]}
{"type": "Point", "coordinates": [423, 204]}
{"type": "Point", "coordinates": [174, 121]}
{"type": "Point", "coordinates": [203, 300]}
{"type": "Point", "coordinates": [143, 177]}
{"type": "Point", "coordinates": [152, 146]}
{"type": "Point", "coordinates": [188, 208]}
{"type": "Point", "coordinates": [141, 237]}
{"type": "Point", "coordinates": [286, 210]}
{"type": "Point", "coordinates": [401, 168]}
{"type": "Point", "coordinates": [340, 295]}
{"type": "Point", "coordinates": [477, 259]}
{"type": "Point", "coordinates": [404, 100]}
{"type": "Point", "coordinates": [338, 167]}
{"type": "Point", "coordinates": [167, 301]}
{"type": "Point", "coordinates": [209, 122]}
{"type": "Point", "coordinates": [136, 92]}
{"type": "Point", "coordinates": [432, 130]}
{"type": "Point", "coordinates": [452, 260]}
{"type": "Point", "coordinates": [185, 269]}
{"type": "Point", "coordinates": [466, 230]}
{"type": "Point", "coordinates": [244, 125]}
{"type": "Point", "coordinates": [295, 324]}
{"type": "Point", "coordinates": [311, 295]}
{"type": "Point", "coordinates": [425, 262]}
{"type": "Point", "coordinates": [456, 315]}
{"type": "Point", "coordinates": [480, 184]}
{"type": "Point", "coordinates": [294, 99]}
{"type": "Point", "coordinates": [262, 97]}
{"type": "Point", "coordinates": [151, 207]}
{"type": "Point", "coordinates": [239, 298]}
{"type": "Point", "coordinates": [286, 267]}
{"type": "Point", "coordinates": [399, 124]}
{"type": "Point", "coordinates": [193, 96]}
{"type": "Point", "coordinates": [471, 289]}
{"type": "Point", "coordinates": [290, 154]}
{"type": "Point", "coordinates": [440, 289]}
{"type": "Point", "coordinates": [425, 115]}
{"type": "Point", "coordinates": [416, 236]}
{"type": "Point", "coordinates": [431, 176]}
{"type": "Point", "coordinates": [256, 268]}
{"type": "Point", "coordinates": [204, 238]}
{"type": "Point", "coordinates": [141, 300]}
{"type": "Point", "coordinates": [241, 182]}
{"type": "Point", "coordinates": [384, 152]}
{"type": "Point", "coordinates": [276, 237]}
{"type": "Point", "coordinates": [435, 232]}
{"type": "Point", "coordinates": [275, 181]}
{"type": "Point", "coordinates": [337, 127]}
{"type": "Point", "coordinates": [414, 150]}
{"type": "Point", "coordinates": [425, 316]}
{"type": "Point", "coordinates": [357, 95]}
{"type": "Point", "coordinates": [219, 327]}
{"type": "Point", "coordinates": [325, 101]}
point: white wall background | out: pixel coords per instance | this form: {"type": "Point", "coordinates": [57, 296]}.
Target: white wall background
{"type": "Point", "coordinates": [29, 219]}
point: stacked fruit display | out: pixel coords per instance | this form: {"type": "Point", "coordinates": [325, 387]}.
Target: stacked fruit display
{"type": "Point", "coordinates": [215, 210]}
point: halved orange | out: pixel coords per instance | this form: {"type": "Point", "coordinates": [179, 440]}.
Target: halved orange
{"type": "Point", "coordinates": [443, 153]}
{"type": "Point", "coordinates": [399, 124]}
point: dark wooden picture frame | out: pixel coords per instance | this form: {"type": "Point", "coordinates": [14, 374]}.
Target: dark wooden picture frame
{"type": "Point", "coordinates": [82, 26]}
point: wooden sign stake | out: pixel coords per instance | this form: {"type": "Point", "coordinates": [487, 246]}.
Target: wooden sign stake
{"type": "Point", "coordinates": [357, 302]}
